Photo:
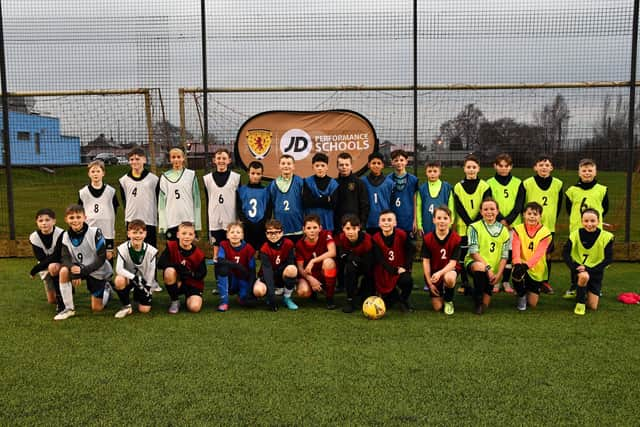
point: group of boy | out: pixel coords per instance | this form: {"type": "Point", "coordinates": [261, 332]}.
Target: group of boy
{"type": "Point", "coordinates": [290, 227]}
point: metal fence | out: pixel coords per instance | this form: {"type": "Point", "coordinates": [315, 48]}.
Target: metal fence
{"type": "Point", "coordinates": [437, 78]}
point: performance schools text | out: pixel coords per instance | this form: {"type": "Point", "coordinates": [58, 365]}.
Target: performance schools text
{"type": "Point", "coordinates": [348, 142]}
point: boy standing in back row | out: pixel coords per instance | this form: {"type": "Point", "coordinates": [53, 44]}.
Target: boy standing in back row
{"type": "Point", "coordinates": [403, 196]}
{"type": "Point", "coordinates": [545, 190]}
{"type": "Point", "coordinates": [432, 194]}
{"type": "Point", "coordinates": [285, 194]}
{"type": "Point", "coordinates": [254, 207]}
{"type": "Point", "coordinates": [100, 204]}
{"type": "Point", "coordinates": [379, 190]}
{"type": "Point", "coordinates": [318, 194]}
{"type": "Point", "coordinates": [508, 191]}
{"type": "Point", "coordinates": [468, 195]}
{"type": "Point", "coordinates": [220, 189]}
{"type": "Point", "coordinates": [351, 195]}
{"type": "Point", "coordinates": [139, 193]}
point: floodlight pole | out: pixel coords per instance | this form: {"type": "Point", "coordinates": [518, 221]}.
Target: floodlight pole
{"type": "Point", "coordinates": [5, 135]}
{"type": "Point", "coordinates": [205, 104]}
{"type": "Point", "coordinates": [632, 108]}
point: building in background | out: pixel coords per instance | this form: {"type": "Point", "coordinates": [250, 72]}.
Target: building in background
{"type": "Point", "coordinates": [36, 140]}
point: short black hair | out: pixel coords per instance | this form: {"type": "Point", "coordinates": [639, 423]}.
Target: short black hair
{"type": "Point", "coordinates": [320, 157]}
{"type": "Point", "coordinates": [375, 155]}
{"type": "Point", "coordinates": [46, 211]}
{"type": "Point", "coordinates": [256, 165]}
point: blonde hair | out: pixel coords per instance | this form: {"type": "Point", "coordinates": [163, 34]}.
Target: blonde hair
{"type": "Point", "coordinates": [182, 153]}
{"type": "Point", "coordinates": [98, 163]}
{"type": "Point", "coordinates": [236, 224]}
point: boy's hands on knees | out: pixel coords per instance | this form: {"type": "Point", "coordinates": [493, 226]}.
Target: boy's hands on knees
{"type": "Point", "coordinates": [434, 290]}
{"type": "Point", "coordinates": [519, 270]}
{"type": "Point", "coordinates": [76, 271]}
{"type": "Point", "coordinates": [309, 267]}
{"type": "Point", "coordinates": [315, 284]}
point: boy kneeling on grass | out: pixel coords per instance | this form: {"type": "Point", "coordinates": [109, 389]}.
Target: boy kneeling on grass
{"type": "Point", "coordinates": [46, 243]}
{"type": "Point", "coordinates": [440, 255]}
{"type": "Point", "coordinates": [277, 267]}
{"type": "Point", "coordinates": [355, 251]}
{"type": "Point", "coordinates": [84, 257]}
{"type": "Point", "coordinates": [587, 253]}
{"type": "Point", "coordinates": [315, 255]}
{"type": "Point", "coordinates": [393, 253]}
{"type": "Point", "coordinates": [488, 253]}
{"type": "Point", "coordinates": [530, 242]}
{"type": "Point", "coordinates": [184, 269]}
{"type": "Point", "coordinates": [235, 268]}
{"type": "Point", "coordinates": [135, 269]}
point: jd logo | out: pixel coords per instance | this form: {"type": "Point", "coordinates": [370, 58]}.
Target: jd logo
{"type": "Point", "coordinates": [296, 143]}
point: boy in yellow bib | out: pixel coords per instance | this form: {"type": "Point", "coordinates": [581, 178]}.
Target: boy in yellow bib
{"type": "Point", "coordinates": [587, 193]}
{"type": "Point", "coordinates": [546, 191]}
{"type": "Point", "coordinates": [487, 254]}
{"type": "Point", "coordinates": [468, 195]}
{"type": "Point", "coordinates": [530, 242]}
{"type": "Point", "coordinates": [588, 252]}
{"type": "Point", "coordinates": [509, 193]}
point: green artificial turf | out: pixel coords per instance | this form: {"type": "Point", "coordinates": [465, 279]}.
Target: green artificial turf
{"type": "Point", "coordinates": [318, 367]}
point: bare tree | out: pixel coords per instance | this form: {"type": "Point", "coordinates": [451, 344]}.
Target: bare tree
{"type": "Point", "coordinates": [553, 119]}
{"type": "Point", "coordinates": [465, 127]}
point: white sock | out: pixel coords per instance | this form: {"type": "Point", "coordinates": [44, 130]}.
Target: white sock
{"type": "Point", "coordinates": [66, 290]}
{"type": "Point", "coordinates": [288, 292]}
{"type": "Point", "coordinates": [106, 295]}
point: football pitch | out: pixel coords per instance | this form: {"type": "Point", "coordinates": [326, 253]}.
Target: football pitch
{"type": "Point", "coordinates": [320, 367]}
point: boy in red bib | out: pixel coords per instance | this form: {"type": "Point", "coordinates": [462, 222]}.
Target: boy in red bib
{"type": "Point", "coordinates": [440, 255]}
{"type": "Point", "coordinates": [393, 253]}
{"type": "Point", "coordinates": [315, 255]}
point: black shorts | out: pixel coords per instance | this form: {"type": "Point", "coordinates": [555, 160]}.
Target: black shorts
{"type": "Point", "coordinates": [189, 291]}
{"type": "Point", "coordinates": [254, 233]}
{"type": "Point", "coordinates": [531, 285]}
{"type": "Point", "coordinates": [217, 236]}
{"type": "Point", "coordinates": [595, 281]}
{"type": "Point", "coordinates": [96, 286]}
{"type": "Point", "coordinates": [488, 287]}
{"type": "Point", "coordinates": [139, 296]}
{"type": "Point", "coordinates": [172, 233]}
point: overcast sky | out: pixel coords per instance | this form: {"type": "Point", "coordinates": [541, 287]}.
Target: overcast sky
{"type": "Point", "coordinates": [89, 44]}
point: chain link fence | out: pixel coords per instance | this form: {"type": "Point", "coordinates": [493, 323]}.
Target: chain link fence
{"type": "Point", "coordinates": [85, 77]}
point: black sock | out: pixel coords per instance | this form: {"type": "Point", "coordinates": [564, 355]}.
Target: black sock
{"type": "Point", "coordinates": [464, 277]}
{"type": "Point", "coordinates": [581, 294]}
{"type": "Point", "coordinates": [520, 288]}
{"type": "Point", "coordinates": [173, 291]}
{"type": "Point", "coordinates": [405, 283]}
{"type": "Point", "coordinates": [480, 282]}
{"type": "Point", "coordinates": [448, 294]}
{"type": "Point", "coordinates": [506, 275]}
{"type": "Point", "coordinates": [124, 296]}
